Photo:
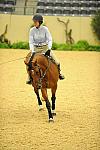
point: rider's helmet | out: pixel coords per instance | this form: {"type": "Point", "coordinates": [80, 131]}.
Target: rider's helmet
{"type": "Point", "coordinates": [38, 18]}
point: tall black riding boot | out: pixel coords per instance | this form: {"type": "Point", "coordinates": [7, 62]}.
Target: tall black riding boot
{"type": "Point", "coordinates": [29, 80]}
{"type": "Point", "coordinates": [61, 77]}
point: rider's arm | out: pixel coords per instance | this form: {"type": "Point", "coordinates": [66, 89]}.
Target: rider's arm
{"type": "Point", "coordinates": [49, 38]}
{"type": "Point", "coordinates": [31, 41]}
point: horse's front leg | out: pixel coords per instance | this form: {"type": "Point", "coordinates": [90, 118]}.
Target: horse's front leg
{"type": "Point", "coordinates": [48, 106]}
{"type": "Point", "coordinates": [39, 100]}
{"type": "Point", "coordinates": [53, 98]}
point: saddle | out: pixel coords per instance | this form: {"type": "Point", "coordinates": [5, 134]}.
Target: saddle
{"type": "Point", "coordinates": [28, 61]}
{"type": "Point", "coordinates": [47, 54]}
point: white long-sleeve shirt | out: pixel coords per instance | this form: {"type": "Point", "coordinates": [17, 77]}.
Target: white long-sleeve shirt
{"type": "Point", "coordinates": [40, 36]}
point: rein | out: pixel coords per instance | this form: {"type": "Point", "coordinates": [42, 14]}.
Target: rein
{"type": "Point", "coordinates": [11, 61]}
{"type": "Point", "coordinates": [44, 74]}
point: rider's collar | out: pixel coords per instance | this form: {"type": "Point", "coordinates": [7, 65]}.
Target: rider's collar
{"type": "Point", "coordinates": [38, 27]}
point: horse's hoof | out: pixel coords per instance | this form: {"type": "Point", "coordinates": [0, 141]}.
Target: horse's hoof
{"type": "Point", "coordinates": [40, 107]}
{"type": "Point", "coordinates": [51, 120]}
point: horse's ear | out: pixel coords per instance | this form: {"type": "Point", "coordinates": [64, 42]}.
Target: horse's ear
{"type": "Point", "coordinates": [34, 62]}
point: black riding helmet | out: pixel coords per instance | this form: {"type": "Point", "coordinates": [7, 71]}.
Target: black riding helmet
{"type": "Point", "coordinates": [38, 18]}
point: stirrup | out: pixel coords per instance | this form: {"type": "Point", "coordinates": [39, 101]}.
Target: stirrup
{"type": "Point", "coordinates": [61, 77]}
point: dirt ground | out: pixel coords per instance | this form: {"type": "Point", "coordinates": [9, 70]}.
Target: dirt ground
{"type": "Point", "coordinates": [77, 124]}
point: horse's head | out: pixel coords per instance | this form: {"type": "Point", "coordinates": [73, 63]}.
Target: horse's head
{"type": "Point", "coordinates": [36, 74]}
{"type": "Point", "coordinates": [39, 69]}
{"type": "Point", "coordinates": [39, 62]}
{"type": "Point", "coordinates": [36, 69]}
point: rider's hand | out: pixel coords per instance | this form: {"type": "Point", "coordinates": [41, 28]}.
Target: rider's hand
{"type": "Point", "coordinates": [47, 53]}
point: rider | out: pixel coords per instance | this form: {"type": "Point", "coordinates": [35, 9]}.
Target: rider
{"type": "Point", "coordinates": [40, 41]}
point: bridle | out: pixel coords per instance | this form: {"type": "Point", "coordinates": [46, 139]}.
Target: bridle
{"type": "Point", "coordinates": [42, 74]}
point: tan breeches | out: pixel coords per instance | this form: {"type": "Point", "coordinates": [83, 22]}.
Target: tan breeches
{"type": "Point", "coordinates": [54, 57]}
{"type": "Point", "coordinates": [42, 49]}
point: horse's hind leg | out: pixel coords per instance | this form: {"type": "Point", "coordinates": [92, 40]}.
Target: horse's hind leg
{"type": "Point", "coordinates": [48, 106]}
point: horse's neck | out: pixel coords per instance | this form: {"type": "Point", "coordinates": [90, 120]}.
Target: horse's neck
{"type": "Point", "coordinates": [43, 61]}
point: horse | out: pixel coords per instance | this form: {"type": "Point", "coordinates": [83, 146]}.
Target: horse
{"type": "Point", "coordinates": [44, 74]}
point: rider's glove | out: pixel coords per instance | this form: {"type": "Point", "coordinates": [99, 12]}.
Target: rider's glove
{"type": "Point", "coordinates": [47, 53]}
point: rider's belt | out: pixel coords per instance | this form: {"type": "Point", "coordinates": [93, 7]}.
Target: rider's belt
{"type": "Point", "coordinates": [39, 46]}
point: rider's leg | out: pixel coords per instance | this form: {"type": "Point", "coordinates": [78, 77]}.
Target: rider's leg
{"type": "Point", "coordinates": [61, 77]}
{"type": "Point", "coordinates": [28, 77]}
{"type": "Point", "coordinates": [27, 61]}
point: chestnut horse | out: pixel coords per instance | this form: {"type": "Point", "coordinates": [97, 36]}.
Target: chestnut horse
{"type": "Point", "coordinates": [44, 74]}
